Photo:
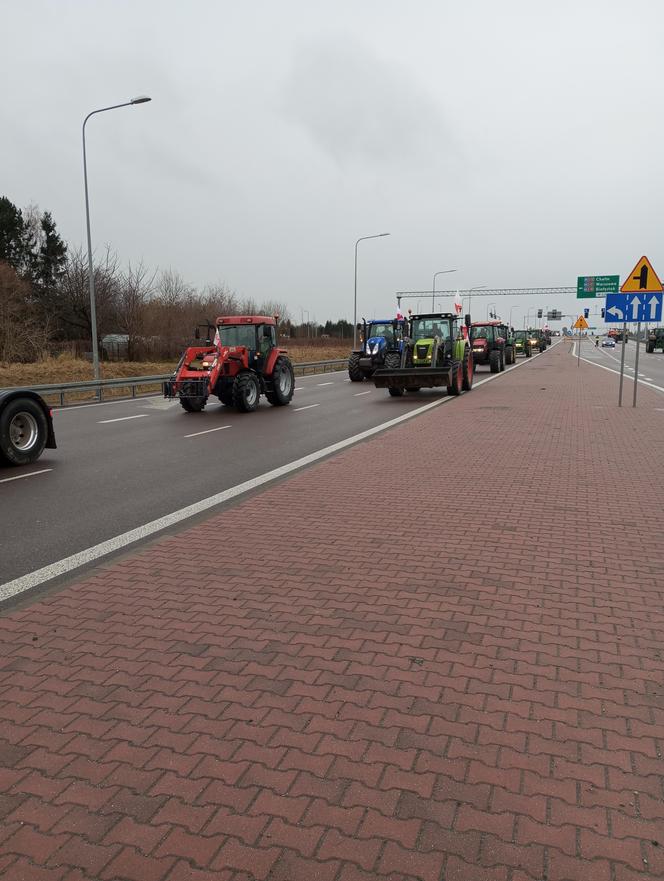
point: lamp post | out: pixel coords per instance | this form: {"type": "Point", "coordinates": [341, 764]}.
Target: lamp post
{"type": "Point", "coordinates": [433, 285]}
{"type": "Point", "coordinates": [141, 99]}
{"type": "Point", "coordinates": [478, 288]}
{"type": "Point", "coordinates": [361, 239]}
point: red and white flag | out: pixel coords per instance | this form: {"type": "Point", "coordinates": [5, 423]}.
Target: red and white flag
{"type": "Point", "coordinates": [458, 305]}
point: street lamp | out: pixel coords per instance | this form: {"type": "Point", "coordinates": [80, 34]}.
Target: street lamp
{"type": "Point", "coordinates": [141, 99]}
{"type": "Point", "coordinates": [433, 285]}
{"type": "Point", "coordinates": [478, 288]}
{"type": "Point", "coordinates": [361, 239]}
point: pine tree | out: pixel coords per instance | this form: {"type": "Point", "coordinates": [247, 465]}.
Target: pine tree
{"type": "Point", "coordinates": [12, 235]}
{"type": "Point", "coordinates": [52, 255]}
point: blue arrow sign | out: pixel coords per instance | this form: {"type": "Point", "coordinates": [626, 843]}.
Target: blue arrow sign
{"type": "Point", "coordinates": [633, 307]}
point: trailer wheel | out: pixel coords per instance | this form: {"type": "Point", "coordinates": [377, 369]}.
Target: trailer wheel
{"type": "Point", "coordinates": [494, 361]}
{"type": "Point", "coordinates": [354, 372]}
{"type": "Point", "coordinates": [23, 431]}
{"type": "Point", "coordinates": [283, 383]}
{"type": "Point", "coordinates": [395, 392]}
{"type": "Point", "coordinates": [246, 392]}
{"type": "Point", "coordinates": [468, 370]}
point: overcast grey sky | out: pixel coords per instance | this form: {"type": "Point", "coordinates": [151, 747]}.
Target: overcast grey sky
{"type": "Point", "coordinates": [518, 141]}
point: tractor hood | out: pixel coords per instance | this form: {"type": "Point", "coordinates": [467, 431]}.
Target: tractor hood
{"type": "Point", "coordinates": [480, 343]}
{"type": "Point", "coordinates": [374, 345]}
{"type": "Point", "coordinates": [422, 351]}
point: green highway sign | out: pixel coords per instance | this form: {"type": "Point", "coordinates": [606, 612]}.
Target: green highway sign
{"type": "Point", "coordinates": [591, 286]}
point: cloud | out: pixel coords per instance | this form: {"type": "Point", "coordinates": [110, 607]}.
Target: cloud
{"type": "Point", "coordinates": [359, 108]}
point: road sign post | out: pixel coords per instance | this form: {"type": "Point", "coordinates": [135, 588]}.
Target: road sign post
{"type": "Point", "coordinates": [642, 292]}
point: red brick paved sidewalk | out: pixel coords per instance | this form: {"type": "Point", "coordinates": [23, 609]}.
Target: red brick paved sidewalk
{"type": "Point", "coordinates": [336, 681]}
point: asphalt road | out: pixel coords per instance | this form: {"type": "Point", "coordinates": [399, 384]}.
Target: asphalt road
{"type": "Point", "coordinates": [122, 464]}
{"type": "Point", "coordinates": [651, 367]}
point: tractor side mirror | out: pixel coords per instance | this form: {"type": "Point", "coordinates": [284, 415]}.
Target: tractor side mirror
{"type": "Point", "coordinates": [467, 320]}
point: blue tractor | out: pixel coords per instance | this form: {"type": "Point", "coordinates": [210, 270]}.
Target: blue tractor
{"type": "Point", "coordinates": [377, 338]}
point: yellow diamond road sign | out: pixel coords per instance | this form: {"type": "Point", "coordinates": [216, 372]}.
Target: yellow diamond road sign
{"type": "Point", "coordinates": [581, 323]}
{"type": "Point", "coordinates": [642, 279]}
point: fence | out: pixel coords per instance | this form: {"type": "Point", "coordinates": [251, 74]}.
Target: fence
{"type": "Point", "coordinates": [94, 389]}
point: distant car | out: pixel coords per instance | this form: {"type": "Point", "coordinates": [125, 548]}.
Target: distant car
{"type": "Point", "coordinates": [608, 343]}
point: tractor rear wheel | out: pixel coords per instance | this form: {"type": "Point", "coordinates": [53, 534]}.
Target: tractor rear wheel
{"type": "Point", "coordinates": [502, 360]}
{"type": "Point", "coordinates": [283, 383]}
{"type": "Point", "coordinates": [510, 357]}
{"type": "Point", "coordinates": [246, 392]}
{"type": "Point", "coordinates": [354, 372]}
{"type": "Point", "coordinates": [193, 405]}
{"type": "Point", "coordinates": [468, 371]}
{"type": "Point", "coordinates": [457, 379]}
{"type": "Point", "coordinates": [494, 361]}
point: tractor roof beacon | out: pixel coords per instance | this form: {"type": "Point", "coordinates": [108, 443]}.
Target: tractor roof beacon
{"type": "Point", "coordinates": [241, 363]}
{"type": "Point", "coordinates": [26, 427]}
{"type": "Point", "coordinates": [435, 353]}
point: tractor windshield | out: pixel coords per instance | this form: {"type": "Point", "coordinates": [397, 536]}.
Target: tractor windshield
{"type": "Point", "coordinates": [237, 335]}
{"type": "Point", "coordinates": [385, 330]}
{"type": "Point", "coordinates": [484, 332]}
{"type": "Point", "coordinates": [425, 328]}
{"type": "Point", "coordinates": [521, 334]}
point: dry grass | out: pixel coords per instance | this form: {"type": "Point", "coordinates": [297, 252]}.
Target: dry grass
{"type": "Point", "coordinates": [68, 369]}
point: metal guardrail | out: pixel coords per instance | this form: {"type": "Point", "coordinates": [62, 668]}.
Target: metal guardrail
{"type": "Point", "coordinates": [62, 389]}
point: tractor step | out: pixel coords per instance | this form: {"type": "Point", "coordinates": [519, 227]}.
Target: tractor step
{"type": "Point", "coordinates": [413, 377]}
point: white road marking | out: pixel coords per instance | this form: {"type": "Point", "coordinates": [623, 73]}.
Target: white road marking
{"type": "Point", "coordinates": [617, 372]}
{"type": "Point", "coordinates": [359, 394]}
{"type": "Point", "coordinates": [324, 383]}
{"type": "Point", "coordinates": [207, 431]}
{"type": "Point", "coordinates": [141, 399]}
{"type": "Point", "coordinates": [30, 474]}
{"type": "Point", "coordinates": [308, 407]}
{"type": "Point", "coordinates": [89, 555]}
{"type": "Point", "coordinates": [298, 388]}
{"type": "Point", "coordinates": [122, 419]}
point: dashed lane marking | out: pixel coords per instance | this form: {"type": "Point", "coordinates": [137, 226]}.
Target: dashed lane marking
{"type": "Point", "coordinates": [308, 407]}
{"type": "Point", "coordinates": [359, 394]}
{"type": "Point", "coordinates": [30, 474]}
{"type": "Point", "coordinates": [122, 419]}
{"type": "Point", "coordinates": [319, 384]}
{"type": "Point", "coordinates": [207, 431]}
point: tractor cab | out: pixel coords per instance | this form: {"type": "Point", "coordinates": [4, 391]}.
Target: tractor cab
{"type": "Point", "coordinates": [432, 337]}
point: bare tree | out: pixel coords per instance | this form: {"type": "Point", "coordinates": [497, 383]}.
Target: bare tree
{"type": "Point", "coordinates": [136, 288]}
{"type": "Point", "coordinates": [23, 336]}
{"type": "Point", "coordinates": [73, 309]}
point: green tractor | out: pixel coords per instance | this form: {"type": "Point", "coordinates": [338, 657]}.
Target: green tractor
{"type": "Point", "coordinates": [522, 343]}
{"type": "Point", "coordinates": [655, 339]}
{"type": "Point", "coordinates": [436, 353]}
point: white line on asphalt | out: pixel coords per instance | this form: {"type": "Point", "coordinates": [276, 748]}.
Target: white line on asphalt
{"type": "Point", "coordinates": [30, 474]}
{"type": "Point", "coordinates": [89, 555]}
{"type": "Point", "coordinates": [207, 431]}
{"type": "Point", "coordinates": [298, 388]}
{"type": "Point", "coordinates": [359, 394]}
{"type": "Point", "coordinates": [324, 383]}
{"type": "Point", "coordinates": [122, 419]}
{"type": "Point", "coordinates": [308, 407]}
{"type": "Point", "coordinates": [617, 372]}
{"type": "Point", "coordinates": [139, 400]}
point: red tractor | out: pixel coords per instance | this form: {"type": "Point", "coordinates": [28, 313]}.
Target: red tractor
{"type": "Point", "coordinates": [240, 364]}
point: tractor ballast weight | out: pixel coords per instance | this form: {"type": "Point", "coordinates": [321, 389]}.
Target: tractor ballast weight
{"type": "Point", "coordinates": [241, 363]}
{"type": "Point", "coordinates": [377, 338]}
{"type": "Point", "coordinates": [434, 355]}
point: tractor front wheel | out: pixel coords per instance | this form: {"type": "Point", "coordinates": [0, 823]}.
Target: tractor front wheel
{"type": "Point", "coordinates": [193, 405]}
{"type": "Point", "coordinates": [354, 372]}
{"type": "Point", "coordinates": [246, 392]}
{"type": "Point", "coordinates": [283, 383]}
{"type": "Point", "coordinates": [468, 370]}
{"type": "Point", "coordinates": [457, 379]}
{"type": "Point", "coordinates": [494, 361]}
